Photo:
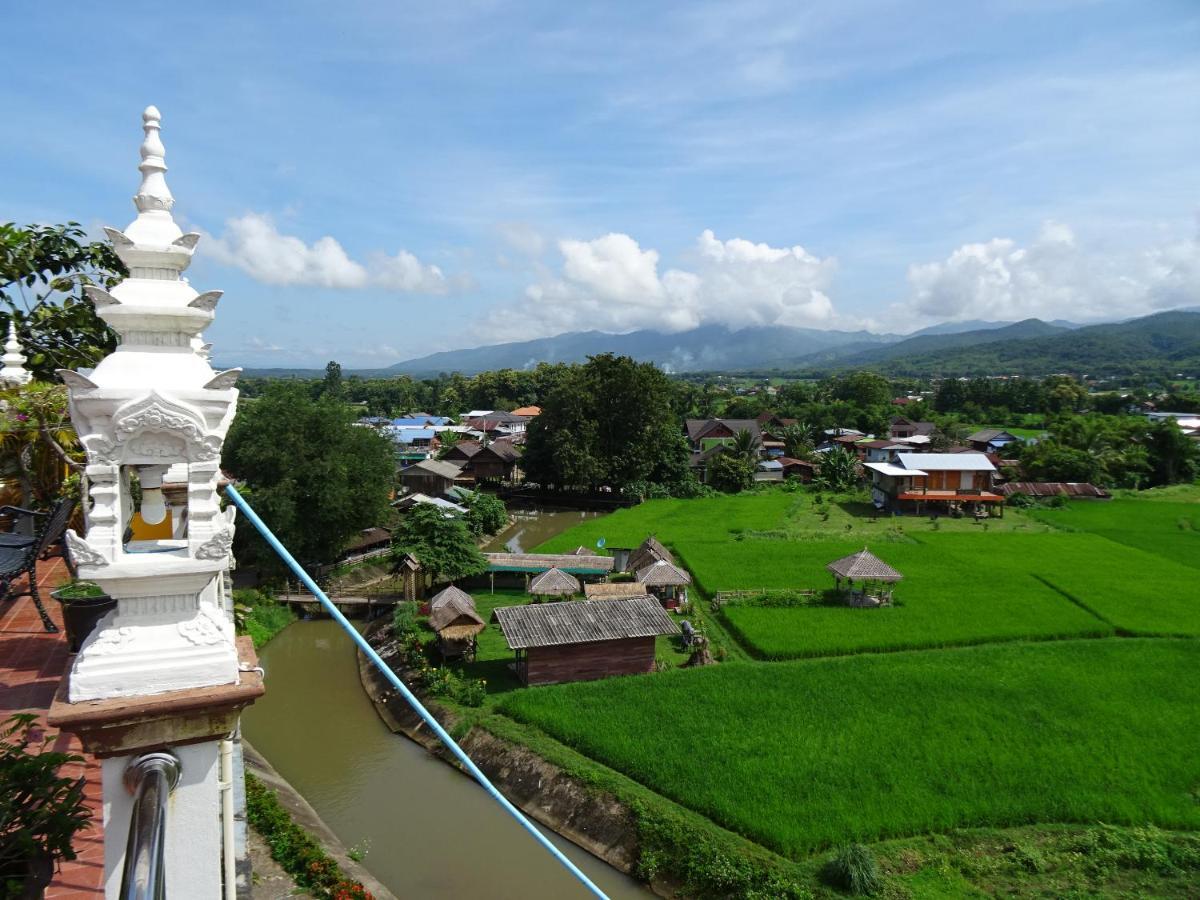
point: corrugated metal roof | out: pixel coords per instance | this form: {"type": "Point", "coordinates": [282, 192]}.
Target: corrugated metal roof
{"type": "Point", "coordinates": [946, 462]}
{"type": "Point", "coordinates": [581, 622]}
{"type": "Point", "coordinates": [1053, 489]}
{"type": "Point", "coordinates": [894, 471]}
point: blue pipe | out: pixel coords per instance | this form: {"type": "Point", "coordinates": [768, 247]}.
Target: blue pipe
{"type": "Point", "coordinates": [408, 695]}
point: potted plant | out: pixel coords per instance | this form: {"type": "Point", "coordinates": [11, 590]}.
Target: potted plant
{"type": "Point", "coordinates": [40, 810]}
{"type": "Point", "coordinates": [83, 605]}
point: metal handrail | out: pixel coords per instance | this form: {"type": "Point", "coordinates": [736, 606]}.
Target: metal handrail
{"type": "Point", "coordinates": [150, 778]}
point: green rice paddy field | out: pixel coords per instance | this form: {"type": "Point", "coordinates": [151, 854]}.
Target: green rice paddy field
{"type": "Point", "coordinates": [801, 755]}
{"type": "Point", "coordinates": [1046, 673]}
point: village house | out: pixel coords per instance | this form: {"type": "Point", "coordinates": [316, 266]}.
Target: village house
{"type": "Point", "coordinates": [704, 434]}
{"type": "Point", "coordinates": [880, 451]}
{"type": "Point", "coordinates": [583, 640]}
{"type": "Point", "coordinates": [902, 427]}
{"type": "Point", "coordinates": [992, 440]}
{"type": "Point", "coordinates": [497, 461]}
{"type": "Point", "coordinates": [945, 480]}
{"type": "Point", "coordinates": [430, 476]}
{"type": "Point", "coordinates": [802, 469]}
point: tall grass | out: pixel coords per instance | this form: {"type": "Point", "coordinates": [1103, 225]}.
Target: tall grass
{"type": "Point", "coordinates": [804, 755]}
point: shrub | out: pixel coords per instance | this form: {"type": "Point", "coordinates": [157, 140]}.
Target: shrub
{"type": "Point", "coordinates": [404, 618]}
{"type": "Point", "coordinates": [295, 849]}
{"type": "Point", "coordinates": [40, 810]}
{"type": "Point", "coordinates": [260, 615]}
{"type": "Point", "coordinates": [853, 869]}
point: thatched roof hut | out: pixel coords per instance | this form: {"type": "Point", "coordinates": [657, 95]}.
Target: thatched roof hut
{"type": "Point", "coordinates": [873, 576]}
{"type": "Point", "coordinates": [554, 583]}
{"type": "Point", "coordinates": [648, 552]}
{"type": "Point", "coordinates": [614, 590]}
{"type": "Point", "coordinates": [864, 566]}
{"type": "Point", "coordinates": [661, 573]}
{"type": "Point", "coordinates": [453, 616]}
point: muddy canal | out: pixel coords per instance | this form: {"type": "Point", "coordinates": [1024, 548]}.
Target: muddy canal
{"type": "Point", "coordinates": [428, 830]}
{"type": "Point", "coordinates": [533, 527]}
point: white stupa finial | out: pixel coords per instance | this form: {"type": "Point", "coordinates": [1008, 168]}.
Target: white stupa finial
{"type": "Point", "coordinates": [153, 226]}
{"type": "Point", "coordinates": [13, 372]}
{"type": "Point", "coordinates": [154, 193]}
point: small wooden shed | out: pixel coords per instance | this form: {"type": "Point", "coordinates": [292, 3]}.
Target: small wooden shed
{"type": "Point", "coordinates": [868, 579]}
{"type": "Point", "coordinates": [453, 616]}
{"type": "Point", "coordinates": [554, 583]}
{"type": "Point", "coordinates": [585, 640]}
{"type": "Point", "coordinates": [666, 581]}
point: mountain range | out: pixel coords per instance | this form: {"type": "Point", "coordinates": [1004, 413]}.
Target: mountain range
{"type": "Point", "coordinates": [1029, 347]}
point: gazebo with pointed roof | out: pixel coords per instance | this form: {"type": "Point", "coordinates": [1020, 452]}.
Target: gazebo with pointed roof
{"type": "Point", "coordinates": [554, 583]}
{"type": "Point", "coordinates": [868, 578]}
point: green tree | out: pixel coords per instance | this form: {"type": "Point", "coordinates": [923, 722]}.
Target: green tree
{"type": "Point", "coordinates": [314, 476]}
{"type": "Point", "coordinates": [839, 470]}
{"type": "Point", "coordinates": [608, 422]}
{"type": "Point", "coordinates": [730, 472]}
{"type": "Point", "coordinates": [442, 544]}
{"type": "Point", "coordinates": [485, 514]}
{"type": "Point", "coordinates": [43, 270]}
{"type": "Point", "coordinates": [331, 386]}
{"type": "Point", "coordinates": [797, 440]}
{"type": "Point", "coordinates": [863, 389]}
{"type": "Point", "coordinates": [1174, 456]}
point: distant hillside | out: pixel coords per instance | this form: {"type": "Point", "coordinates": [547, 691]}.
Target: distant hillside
{"type": "Point", "coordinates": [1164, 341]}
{"type": "Point", "coordinates": [707, 348]}
{"type": "Point", "coordinates": [939, 343]}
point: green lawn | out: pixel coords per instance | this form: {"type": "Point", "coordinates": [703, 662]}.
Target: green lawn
{"type": "Point", "coordinates": [805, 754]}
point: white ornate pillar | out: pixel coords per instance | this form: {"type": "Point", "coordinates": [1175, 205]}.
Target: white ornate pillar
{"type": "Point", "coordinates": [162, 671]}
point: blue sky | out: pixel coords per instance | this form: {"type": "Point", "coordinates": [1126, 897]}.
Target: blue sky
{"type": "Point", "coordinates": [379, 181]}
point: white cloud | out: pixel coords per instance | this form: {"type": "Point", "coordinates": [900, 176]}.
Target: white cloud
{"type": "Point", "coordinates": [1053, 277]}
{"type": "Point", "coordinates": [612, 284]}
{"type": "Point", "coordinates": [253, 244]}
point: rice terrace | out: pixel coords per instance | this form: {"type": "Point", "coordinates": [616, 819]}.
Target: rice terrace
{"type": "Point", "coordinates": [1052, 651]}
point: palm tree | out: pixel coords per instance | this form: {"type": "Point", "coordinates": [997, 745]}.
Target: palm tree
{"type": "Point", "coordinates": [797, 441]}
{"type": "Point", "coordinates": [745, 445]}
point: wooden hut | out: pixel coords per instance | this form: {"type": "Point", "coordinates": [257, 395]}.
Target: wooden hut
{"type": "Point", "coordinates": [557, 642]}
{"type": "Point", "coordinates": [666, 581]}
{"type": "Point", "coordinates": [554, 583]}
{"type": "Point", "coordinates": [648, 552]}
{"type": "Point", "coordinates": [452, 615]}
{"type": "Point", "coordinates": [614, 590]}
{"type": "Point", "coordinates": [868, 579]}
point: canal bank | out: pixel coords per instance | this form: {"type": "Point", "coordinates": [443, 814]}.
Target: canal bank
{"type": "Point", "coordinates": [423, 828]}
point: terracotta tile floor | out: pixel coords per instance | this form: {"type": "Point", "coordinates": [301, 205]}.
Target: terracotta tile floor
{"type": "Point", "coordinates": [31, 664]}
